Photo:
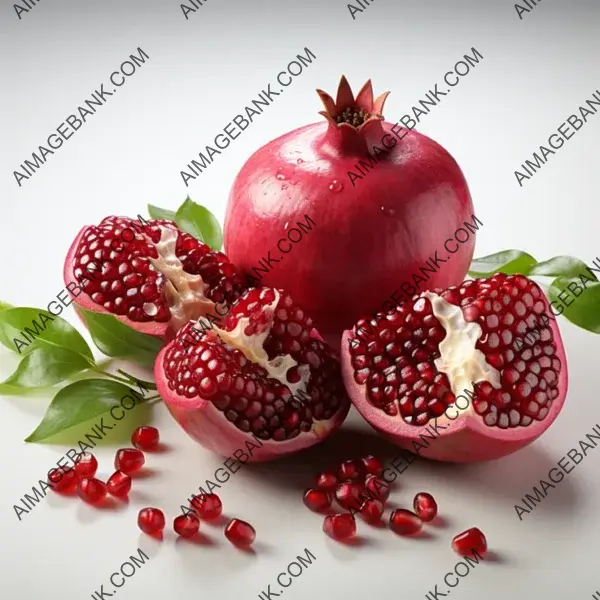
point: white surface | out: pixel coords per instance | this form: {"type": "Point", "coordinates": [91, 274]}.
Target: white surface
{"type": "Point", "coordinates": [201, 73]}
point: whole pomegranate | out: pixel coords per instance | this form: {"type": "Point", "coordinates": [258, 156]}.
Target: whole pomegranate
{"type": "Point", "coordinates": [148, 274]}
{"type": "Point", "coordinates": [261, 385]}
{"type": "Point", "coordinates": [452, 375]}
{"type": "Point", "coordinates": [371, 232]}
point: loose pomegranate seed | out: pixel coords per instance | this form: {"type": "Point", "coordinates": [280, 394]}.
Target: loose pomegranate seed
{"type": "Point", "coordinates": [317, 500]}
{"type": "Point", "coordinates": [62, 480]}
{"type": "Point", "coordinates": [349, 470]}
{"type": "Point", "coordinates": [468, 541]}
{"type": "Point", "coordinates": [240, 533]}
{"type": "Point", "coordinates": [186, 525]}
{"type": "Point", "coordinates": [403, 522]}
{"type": "Point", "coordinates": [371, 511]}
{"type": "Point", "coordinates": [348, 494]}
{"type": "Point", "coordinates": [207, 506]}
{"type": "Point", "coordinates": [372, 465]}
{"type": "Point", "coordinates": [377, 488]}
{"type": "Point", "coordinates": [91, 490]}
{"type": "Point", "coordinates": [86, 465]}
{"type": "Point", "coordinates": [327, 481]}
{"type": "Point", "coordinates": [151, 520]}
{"type": "Point", "coordinates": [118, 484]}
{"type": "Point", "coordinates": [340, 527]}
{"type": "Point", "coordinates": [425, 506]}
{"type": "Point", "coordinates": [129, 460]}
{"type": "Point", "coordinates": [145, 438]}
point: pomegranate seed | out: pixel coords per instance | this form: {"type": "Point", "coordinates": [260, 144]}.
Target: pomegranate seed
{"type": "Point", "coordinates": [327, 481]}
{"type": "Point", "coordinates": [118, 484]}
{"type": "Point", "coordinates": [349, 470]}
{"type": "Point", "coordinates": [151, 520]}
{"type": "Point", "coordinates": [207, 506]}
{"type": "Point", "coordinates": [129, 460]}
{"type": "Point", "coordinates": [186, 525]}
{"type": "Point", "coordinates": [62, 480]}
{"type": "Point", "coordinates": [471, 540]}
{"type": "Point", "coordinates": [317, 500]}
{"type": "Point", "coordinates": [86, 465]}
{"type": "Point", "coordinates": [348, 494]}
{"type": "Point", "coordinates": [240, 533]}
{"type": "Point", "coordinates": [403, 522]}
{"type": "Point", "coordinates": [371, 511]}
{"type": "Point", "coordinates": [91, 490]}
{"type": "Point", "coordinates": [372, 465]}
{"type": "Point", "coordinates": [340, 527]}
{"type": "Point", "coordinates": [377, 488]}
{"type": "Point", "coordinates": [145, 438]}
{"type": "Point", "coordinates": [425, 506]}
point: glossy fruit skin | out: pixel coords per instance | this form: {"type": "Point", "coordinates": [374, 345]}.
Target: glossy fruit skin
{"type": "Point", "coordinates": [465, 438]}
{"type": "Point", "coordinates": [425, 506]}
{"type": "Point", "coordinates": [340, 527]}
{"type": "Point", "coordinates": [129, 460]}
{"type": "Point", "coordinates": [91, 490]}
{"type": "Point", "coordinates": [469, 541]}
{"type": "Point", "coordinates": [86, 465]}
{"type": "Point", "coordinates": [145, 438]}
{"type": "Point", "coordinates": [404, 522]}
{"type": "Point", "coordinates": [371, 511]}
{"type": "Point", "coordinates": [372, 465]}
{"type": "Point", "coordinates": [186, 526]}
{"type": "Point", "coordinates": [377, 488]}
{"type": "Point", "coordinates": [317, 500]}
{"type": "Point", "coordinates": [294, 178]}
{"type": "Point", "coordinates": [348, 494]}
{"type": "Point", "coordinates": [207, 506]}
{"type": "Point", "coordinates": [118, 484]}
{"type": "Point", "coordinates": [151, 520]}
{"type": "Point", "coordinates": [327, 481]}
{"type": "Point", "coordinates": [240, 533]}
{"type": "Point", "coordinates": [62, 480]}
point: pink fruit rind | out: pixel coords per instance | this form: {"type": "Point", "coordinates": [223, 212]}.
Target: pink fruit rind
{"type": "Point", "coordinates": [82, 300]}
{"type": "Point", "coordinates": [467, 438]}
{"type": "Point", "coordinates": [205, 424]}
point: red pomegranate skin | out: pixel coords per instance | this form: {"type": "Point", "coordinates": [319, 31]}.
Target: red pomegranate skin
{"type": "Point", "coordinates": [368, 238]}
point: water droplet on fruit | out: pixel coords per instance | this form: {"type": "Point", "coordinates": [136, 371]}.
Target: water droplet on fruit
{"type": "Point", "coordinates": [299, 161]}
{"type": "Point", "coordinates": [150, 309]}
{"type": "Point", "coordinates": [389, 212]}
{"type": "Point", "coordinates": [336, 186]}
{"type": "Point", "coordinates": [280, 176]}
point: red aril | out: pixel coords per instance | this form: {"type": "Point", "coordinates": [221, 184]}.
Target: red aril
{"type": "Point", "coordinates": [150, 275]}
{"type": "Point", "coordinates": [151, 520]}
{"type": "Point", "coordinates": [62, 480]}
{"type": "Point", "coordinates": [298, 192]}
{"type": "Point", "coordinates": [91, 490]}
{"type": "Point", "coordinates": [186, 526]}
{"type": "Point", "coordinates": [145, 438]}
{"type": "Point", "coordinates": [372, 465]}
{"type": "Point", "coordinates": [317, 500]}
{"type": "Point", "coordinates": [348, 494]}
{"type": "Point", "coordinates": [261, 383]}
{"type": "Point", "coordinates": [377, 488]}
{"type": "Point", "coordinates": [371, 511]}
{"type": "Point", "coordinates": [340, 526]}
{"type": "Point", "coordinates": [449, 374]}
{"type": "Point", "coordinates": [350, 470]}
{"type": "Point", "coordinates": [86, 465]}
{"type": "Point", "coordinates": [425, 506]}
{"type": "Point", "coordinates": [118, 484]}
{"type": "Point", "coordinates": [129, 460]}
{"type": "Point", "coordinates": [469, 541]}
{"type": "Point", "coordinates": [404, 522]}
{"type": "Point", "coordinates": [327, 481]}
{"type": "Point", "coordinates": [240, 533]}
{"type": "Point", "coordinates": [207, 506]}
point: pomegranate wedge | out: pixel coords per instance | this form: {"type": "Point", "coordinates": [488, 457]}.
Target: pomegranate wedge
{"type": "Point", "coordinates": [453, 374]}
{"type": "Point", "coordinates": [259, 386]}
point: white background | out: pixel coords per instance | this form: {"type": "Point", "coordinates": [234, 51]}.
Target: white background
{"type": "Point", "coordinates": [202, 71]}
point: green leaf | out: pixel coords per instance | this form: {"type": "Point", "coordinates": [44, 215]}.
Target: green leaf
{"type": "Point", "coordinates": [46, 365]}
{"type": "Point", "coordinates": [5, 306]}
{"type": "Point", "coordinates": [113, 338]}
{"type": "Point", "coordinates": [43, 327]}
{"type": "Point", "coordinates": [583, 309]}
{"type": "Point", "coordinates": [79, 402]}
{"type": "Point", "coordinates": [562, 266]}
{"type": "Point", "coordinates": [160, 213]}
{"type": "Point", "coordinates": [507, 261]}
{"type": "Point", "coordinates": [199, 222]}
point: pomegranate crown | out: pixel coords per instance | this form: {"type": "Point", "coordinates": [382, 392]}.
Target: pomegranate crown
{"type": "Point", "coordinates": [348, 111]}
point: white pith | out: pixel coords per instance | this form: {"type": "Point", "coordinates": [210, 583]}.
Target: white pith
{"type": "Point", "coordinates": [252, 346]}
{"type": "Point", "coordinates": [185, 293]}
{"type": "Point", "coordinates": [459, 360]}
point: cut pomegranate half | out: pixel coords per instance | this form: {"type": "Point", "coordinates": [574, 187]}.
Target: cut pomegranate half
{"type": "Point", "coordinates": [150, 275]}
{"type": "Point", "coordinates": [261, 386]}
{"type": "Point", "coordinates": [449, 374]}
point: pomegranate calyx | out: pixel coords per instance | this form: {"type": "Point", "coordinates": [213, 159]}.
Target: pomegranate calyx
{"type": "Point", "coordinates": [185, 292]}
{"type": "Point", "coordinates": [252, 346]}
